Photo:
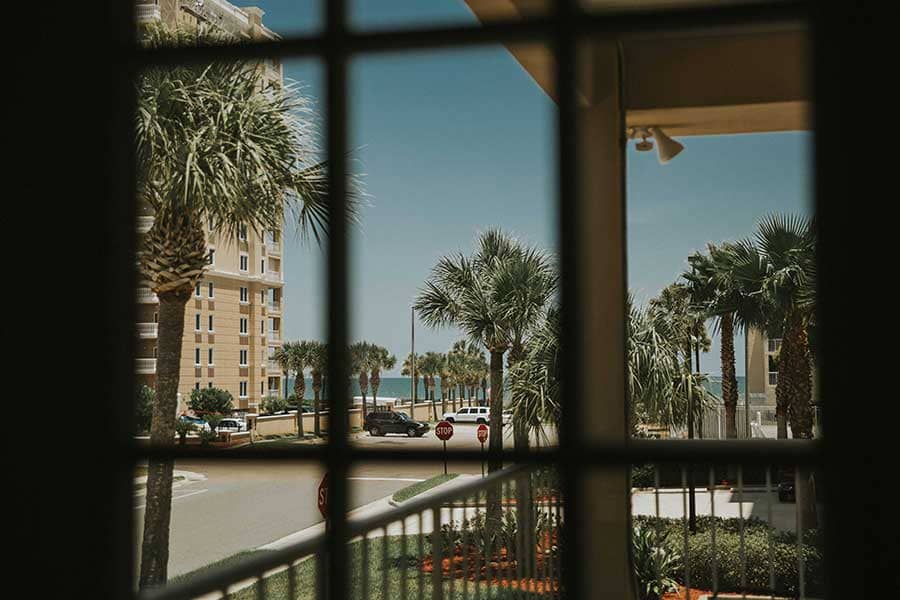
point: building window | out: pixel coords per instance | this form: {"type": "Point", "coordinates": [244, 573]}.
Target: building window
{"type": "Point", "coordinates": [210, 361]}
{"type": "Point", "coordinates": [210, 328]}
{"type": "Point", "coordinates": [773, 378]}
{"type": "Point", "coordinates": [197, 291]}
{"type": "Point", "coordinates": [243, 389]}
{"type": "Point", "coordinates": [197, 386]}
{"type": "Point", "coordinates": [197, 322]}
{"type": "Point", "coordinates": [155, 351]}
{"type": "Point", "coordinates": [242, 233]}
{"type": "Point", "coordinates": [196, 357]}
{"type": "Point", "coordinates": [212, 256]}
{"type": "Point", "coordinates": [243, 327]}
{"type": "Point", "coordinates": [262, 295]}
{"type": "Point", "coordinates": [243, 358]}
{"type": "Point", "coordinates": [209, 385]}
{"type": "Point", "coordinates": [262, 267]}
{"type": "Point", "coordinates": [774, 345]}
{"type": "Point", "coordinates": [211, 290]}
{"type": "Point", "coordinates": [245, 295]}
{"type": "Point", "coordinates": [262, 327]}
{"type": "Point", "coordinates": [244, 263]}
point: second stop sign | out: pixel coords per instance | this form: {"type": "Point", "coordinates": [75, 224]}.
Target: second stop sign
{"type": "Point", "coordinates": [482, 433]}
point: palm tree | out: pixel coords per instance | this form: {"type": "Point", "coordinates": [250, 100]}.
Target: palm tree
{"type": "Point", "coordinates": [317, 359]}
{"type": "Point", "coordinates": [536, 399]}
{"type": "Point", "coordinates": [430, 367]}
{"type": "Point", "coordinates": [411, 369]}
{"type": "Point", "coordinates": [381, 359]}
{"type": "Point", "coordinates": [778, 267]}
{"type": "Point", "coordinates": [294, 357]}
{"type": "Point", "coordinates": [212, 146]}
{"type": "Point", "coordinates": [360, 363]}
{"type": "Point", "coordinates": [495, 297]}
{"type": "Point", "coordinates": [717, 293]}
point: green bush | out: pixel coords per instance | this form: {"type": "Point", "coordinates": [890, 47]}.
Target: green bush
{"type": "Point", "coordinates": [211, 400]}
{"type": "Point", "coordinates": [656, 562]}
{"type": "Point", "coordinates": [643, 476]}
{"type": "Point", "coordinates": [183, 428]}
{"type": "Point", "coordinates": [273, 405]}
{"type": "Point", "coordinates": [207, 436]}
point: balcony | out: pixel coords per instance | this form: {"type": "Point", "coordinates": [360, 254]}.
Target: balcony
{"type": "Point", "coordinates": [145, 223]}
{"type": "Point", "coordinates": [274, 337]}
{"type": "Point", "coordinates": [145, 296]}
{"type": "Point", "coordinates": [272, 276]}
{"type": "Point", "coordinates": [273, 307]}
{"type": "Point", "coordinates": [147, 12]}
{"type": "Point", "coordinates": [272, 366]}
{"type": "Point", "coordinates": [273, 248]}
{"type": "Point", "coordinates": [145, 366]}
{"type": "Point", "coordinates": [148, 330]}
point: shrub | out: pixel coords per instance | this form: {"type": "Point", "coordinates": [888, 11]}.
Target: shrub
{"type": "Point", "coordinates": [273, 405]}
{"type": "Point", "coordinates": [643, 476]}
{"type": "Point", "coordinates": [143, 407]}
{"type": "Point", "coordinates": [213, 420]}
{"type": "Point", "coordinates": [211, 400]}
{"type": "Point", "coordinates": [656, 562]}
{"type": "Point", "coordinates": [207, 436]}
{"type": "Point", "coordinates": [183, 428]}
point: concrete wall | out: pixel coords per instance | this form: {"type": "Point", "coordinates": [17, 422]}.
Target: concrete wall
{"type": "Point", "coordinates": [284, 424]}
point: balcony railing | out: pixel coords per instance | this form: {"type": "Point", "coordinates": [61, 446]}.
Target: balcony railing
{"type": "Point", "coordinates": [273, 248]}
{"type": "Point", "coordinates": [147, 12]}
{"type": "Point", "coordinates": [274, 276]}
{"type": "Point", "coordinates": [145, 366]}
{"type": "Point", "coordinates": [148, 330]}
{"type": "Point", "coordinates": [274, 336]}
{"type": "Point", "coordinates": [274, 307]}
{"type": "Point", "coordinates": [145, 296]}
{"type": "Point", "coordinates": [272, 366]}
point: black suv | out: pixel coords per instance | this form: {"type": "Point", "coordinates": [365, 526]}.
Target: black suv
{"type": "Point", "coordinates": [381, 423]}
{"type": "Point", "coordinates": [786, 491]}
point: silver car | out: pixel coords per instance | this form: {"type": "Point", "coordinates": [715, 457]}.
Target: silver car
{"type": "Point", "coordinates": [473, 414]}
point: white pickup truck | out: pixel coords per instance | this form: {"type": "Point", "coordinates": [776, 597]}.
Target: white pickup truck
{"type": "Point", "coordinates": [474, 414]}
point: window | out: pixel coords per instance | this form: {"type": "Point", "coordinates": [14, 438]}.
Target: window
{"type": "Point", "coordinates": [774, 344]}
{"type": "Point", "coordinates": [210, 361]}
{"type": "Point", "coordinates": [197, 322]}
{"type": "Point", "coordinates": [210, 385]}
{"type": "Point", "coordinates": [244, 263]}
{"type": "Point", "coordinates": [243, 326]}
{"type": "Point", "coordinates": [212, 256]}
{"type": "Point", "coordinates": [197, 291]}
{"type": "Point", "coordinates": [262, 327]}
{"type": "Point", "coordinates": [197, 385]}
{"type": "Point", "coordinates": [242, 233]}
{"type": "Point", "coordinates": [245, 295]}
{"type": "Point", "coordinates": [262, 267]}
{"type": "Point", "coordinates": [197, 357]}
{"type": "Point", "coordinates": [211, 290]}
{"type": "Point", "coordinates": [210, 327]}
{"type": "Point", "coordinates": [243, 358]}
{"type": "Point", "coordinates": [773, 378]}
{"type": "Point", "coordinates": [262, 296]}
{"type": "Point", "coordinates": [243, 389]}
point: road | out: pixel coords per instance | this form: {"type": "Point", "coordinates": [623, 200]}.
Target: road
{"type": "Point", "coordinates": [242, 505]}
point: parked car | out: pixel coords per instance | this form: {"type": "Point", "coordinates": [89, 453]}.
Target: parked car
{"type": "Point", "coordinates": [196, 421]}
{"type": "Point", "coordinates": [231, 424]}
{"type": "Point", "coordinates": [384, 422]}
{"type": "Point", "coordinates": [474, 414]}
{"type": "Point", "coordinates": [786, 491]}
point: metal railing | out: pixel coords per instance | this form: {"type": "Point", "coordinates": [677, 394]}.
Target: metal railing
{"type": "Point", "coordinates": [148, 330]}
{"type": "Point", "coordinates": [473, 540]}
{"type": "Point", "coordinates": [273, 248]}
{"type": "Point", "coordinates": [146, 296]}
{"type": "Point", "coordinates": [145, 365]}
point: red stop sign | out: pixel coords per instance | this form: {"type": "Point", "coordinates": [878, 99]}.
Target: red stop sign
{"type": "Point", "coordinates": [444, 431]}
{"type": "Point", "coordinates": [323, 496]}
{"type": "Point", "coordinates": [482, 433]}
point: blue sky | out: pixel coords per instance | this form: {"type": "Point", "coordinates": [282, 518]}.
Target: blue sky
{"type": "Point", "coordinates": [453, 142]}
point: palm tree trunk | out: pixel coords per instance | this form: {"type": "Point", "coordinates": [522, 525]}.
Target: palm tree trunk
{"type": "Point", "coordinates": [363, 388]}
{"type": "Point", "coordinates": [729, 378]}
{"type": "Point", "coordinates": [317, 388]}
{"type": "Point", "coordinates": [299, 392]}
{"type": "Point", "coordinates": [496, 424]}
{"type": "Point", "coordinates": [375, 381]}
{"type": "Point", "coordinates": [158, 511]}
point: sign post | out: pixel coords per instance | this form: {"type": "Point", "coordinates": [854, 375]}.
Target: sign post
{"type": "Point", "coordinates": [482, 438]}
{"type": "Point", "coordinates": [444, 431]}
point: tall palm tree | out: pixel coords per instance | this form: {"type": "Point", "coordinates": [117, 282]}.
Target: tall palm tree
{"type": "Point", "coordinates": [430, 367]}
{"type": "Point", "coordinates": [293, 357]}
{"type": "Point", "coordinates": [778, 267]}
{"type": "Point", "coordinates": [495, 297]}
{"type": "Point", "coordinates": [317, 358]}
{"type": "Point", "coordinates": [457, 366]}
{"type": "Point", "coordinates": [381, 359]}
{"type": "Point", "coordinates": [717, 292]}
{"type": "Point", "coordinates": [212, 146]}
{"type": "Point", "coordinates": [411, 369]}
{"type": "Point", "coordinates": [536, 398]}
{"type": "Point", "coordinates": [360, 363]}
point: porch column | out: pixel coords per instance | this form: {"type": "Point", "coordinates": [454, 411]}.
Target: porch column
{"type": "Point", "coordinates": [606, 541]}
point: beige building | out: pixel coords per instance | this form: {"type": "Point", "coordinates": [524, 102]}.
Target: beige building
{"type": "Point", "coordinates": [233, 323]}
{"type": "Point", "coordinates": [762, 372]}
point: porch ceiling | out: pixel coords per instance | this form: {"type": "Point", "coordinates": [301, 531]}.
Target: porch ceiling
{"type": "Point", "coordinates": [689, 84]}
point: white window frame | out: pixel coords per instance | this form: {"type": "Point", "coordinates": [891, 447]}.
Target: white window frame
{"type": "Point", "coordinates": [242, 233]}
{"type": "Point", "coordinates": [244, 295]}
{"type": "Point", "coordinates": [210, 356]}
{"type": "Point", "coordinates": [243, 262]}
{"type": "Point", "coordinates": [243, 357]}
{"type": "Point", "coordinates": [211, 290]}
{"type": "Point", "coordinates": [244, 326]}
{"type": "Point", "coordinates": [198, 291]}
{"type": "Point", "coordinates": [262, 266]}
{"type": "Point", "coordinates": [197, 357]}
{"type": "Point", "coordinates": [212, 256]}
{"type": "Point", "coordinates": [209, 324]}
{"type": "Point", "coordinates": [242, 393]}
{"type": "Point", "coordinates": [196, 321]}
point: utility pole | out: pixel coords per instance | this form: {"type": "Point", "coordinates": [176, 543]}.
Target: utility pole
{"type": "Point", "coordinates": [692, 500]}
{"type": "Point", "coordinates": [412, 353]}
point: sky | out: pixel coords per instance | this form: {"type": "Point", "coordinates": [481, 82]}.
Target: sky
{"type": "Point", "coordinates": [450, 143]}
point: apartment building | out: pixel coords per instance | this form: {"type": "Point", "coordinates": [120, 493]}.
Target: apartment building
{"type": "Point", "coordinates": [762, 369]}
{"type": "Point", "coordinates": [233, 323]}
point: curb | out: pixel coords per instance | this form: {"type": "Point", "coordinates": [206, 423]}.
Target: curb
{"type": "Point", "coordinates": [188, 477]}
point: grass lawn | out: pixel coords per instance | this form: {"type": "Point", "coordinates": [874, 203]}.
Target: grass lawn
{"type": "Point", "coordinates": [382, 579]}
{"type": "Point", "coordinates": [421, 486]}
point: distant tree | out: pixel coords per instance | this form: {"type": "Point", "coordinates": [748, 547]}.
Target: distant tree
{"type": "Point", "coordinates": [213, 400]}
{"type": "Point", "coordinates": [409, 370]}
{"type": "Point", "coordinates": [274, 404]}
{"type": "Point", "coordinates": [361, 357]}
{"type": "Point", "coordinates": [380, 359]}
{"type": "Point", "coordinates": [183, 428]}
{"type": "Point", "coordinates": [143, 407]}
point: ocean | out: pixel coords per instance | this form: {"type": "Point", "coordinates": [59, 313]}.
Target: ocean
{"type": "Point", "coordinates": [399, 387]}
